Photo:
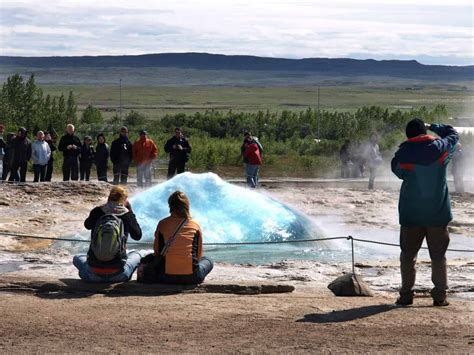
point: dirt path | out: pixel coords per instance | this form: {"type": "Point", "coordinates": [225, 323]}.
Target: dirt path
{"type": "Point", "coordinates": [297, 322]}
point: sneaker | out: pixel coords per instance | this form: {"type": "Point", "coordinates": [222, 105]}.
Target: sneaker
{"type": "Point", "coordinates": [404, 301]}
{"type": "Point", "coordinates": [442, 303]}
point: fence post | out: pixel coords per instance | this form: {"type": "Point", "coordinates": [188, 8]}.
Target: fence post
{"type": "Point", "coordinates": [352, 251]}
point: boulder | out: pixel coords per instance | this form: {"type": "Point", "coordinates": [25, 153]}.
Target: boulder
{"type": "Point", "coordinates": [350, 285]}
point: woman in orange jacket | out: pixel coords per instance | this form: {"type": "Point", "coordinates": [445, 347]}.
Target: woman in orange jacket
{"type": "Point", "coordinates": [178, 244]}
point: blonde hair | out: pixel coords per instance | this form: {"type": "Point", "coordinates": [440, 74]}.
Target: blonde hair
{"type": "Point", "coordinates": [179, 204]}
{"type": "Point", "coordinates": [118, 194]}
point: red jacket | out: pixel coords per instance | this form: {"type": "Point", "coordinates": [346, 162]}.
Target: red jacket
{"type": "Point", "coordinates": [144, 151]}
{"type": "Point", "coordinates": [252, 153]}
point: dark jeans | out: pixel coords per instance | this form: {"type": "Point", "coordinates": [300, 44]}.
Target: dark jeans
{"type": "Point", "coordinates": [70, 169]}
{"type": "Point", "coordinates": [40, 172]}
{"type": "Point", "coordinates": [437, 239]}
{"type": "Point", "coordinates": [202, 270]}
{"type": "Point", "coordinates": [49, 170]}
{"type": "Point", "coordinates": [372, 174]}
{"type": "Point", "coordinates": [121, 172]}
{"type": "Point", "coordinates": [102, 171]}
{"type": "Point", "coordinates": [6, 170]}
{"type": "Point", "coordinates": [345, 169]}
{"type": "Point", "coordinates": [85, 170]}
{"type": "Point", "coordinates": [14, 176]}
{"type": "Point", "coordinates": [175, 166]}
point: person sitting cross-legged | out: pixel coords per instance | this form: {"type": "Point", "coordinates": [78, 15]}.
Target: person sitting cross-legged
{"type": "Point", "coordinates": [107, 259]}
{"type": "Point", "coordinates": [177, 257]}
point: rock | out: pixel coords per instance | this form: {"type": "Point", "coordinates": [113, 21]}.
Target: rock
{"type": "Point", "coordinates": [350, 285]}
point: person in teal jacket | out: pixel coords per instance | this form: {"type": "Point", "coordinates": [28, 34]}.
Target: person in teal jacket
{"type": "Point", "coordinates": [424, 205]}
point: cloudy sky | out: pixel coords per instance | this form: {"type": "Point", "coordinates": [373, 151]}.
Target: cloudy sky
{"type": "Point", "coordinates": [432, 32]}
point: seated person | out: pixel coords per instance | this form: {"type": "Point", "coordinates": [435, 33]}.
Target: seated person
{"type": "Point", "coordinates": [183, 262]}
{"type": "Point", "coordinates": [110, 224]}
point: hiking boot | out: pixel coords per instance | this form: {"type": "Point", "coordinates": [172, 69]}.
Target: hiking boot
{"type": "Point", "coordinates": [404, 301]}
{"type": "Point", "coordinates": [442, 303]}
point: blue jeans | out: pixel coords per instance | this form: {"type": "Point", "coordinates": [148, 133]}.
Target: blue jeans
{"type": "Point", "coordinates": [252, 175]}
{"type": "Point", "coordinates": [86, 274]}
{"type": "Point", "coordinates": [204, 268]}
{"type": "Point", "coordinates": [144, 171]}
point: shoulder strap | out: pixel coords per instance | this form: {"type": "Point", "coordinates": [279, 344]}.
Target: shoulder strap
{"type": "Point", "coordinates": [172, 238]}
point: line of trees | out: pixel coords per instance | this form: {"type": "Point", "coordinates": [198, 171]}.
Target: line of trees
{"type": "Point", "coordinates": [294, 141]}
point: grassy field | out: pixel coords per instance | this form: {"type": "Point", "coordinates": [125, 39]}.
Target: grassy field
{"type": "Point", "coordinates": [155, 101]}
{"type": "Point", "coordinates": [158, 91]}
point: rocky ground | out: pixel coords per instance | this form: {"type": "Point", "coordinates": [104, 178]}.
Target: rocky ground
{"type": "Point", "coordinates": [38, 316]}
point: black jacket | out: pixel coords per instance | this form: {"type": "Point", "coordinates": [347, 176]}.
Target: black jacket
{"type": "Point", "coordinates": [21, 150]}
{"type": "Point", "coordinates": [131, 227]}
{"type": "Point", "coordinates": [53, 148]}
{"type": "Point", "coordinates": [66, 140]}
{"type": "Point", "coordinates": [101, 154]}
{"type": "Point", "coordinates": [87, 154]}
{"type": "Point", "coordinates": [121, 150]}
{"type": "Point", "coordinates": [177, 154]}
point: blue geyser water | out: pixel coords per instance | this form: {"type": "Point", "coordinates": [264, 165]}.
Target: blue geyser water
{"type": "Point", "coordinates": [225, 212]}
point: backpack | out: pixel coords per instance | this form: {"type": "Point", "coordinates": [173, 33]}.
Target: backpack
{"type": "Point", "coordinates": [108, 238]}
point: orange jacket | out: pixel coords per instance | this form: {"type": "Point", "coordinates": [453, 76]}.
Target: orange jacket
{"type": "Point", "coordinates": [185, 252]}
{"type": "Point", "coordinates": [144, 151]}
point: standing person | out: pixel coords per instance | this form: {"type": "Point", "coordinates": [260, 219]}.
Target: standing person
{"type": "Point", "coordinates": [144, 153]}
{"type": "Point", "coordinates": [101, 157]}
{"type": "Point", "coordinates": [121, 156]}
{"type": "Point", "coordinates": [179, 149]}
{"type": "Point", "coordinates": [424, 206]}
{"type": "Point", "coordinates": [345, 156]}
{"type": "Point", "coordinates": [459, 165]}
{"type": "Point", "coordinates": [40, 154]}
{"type": "Point", "coordinates": [21, 154]}
{"type": "Point", "coordinates": [86, 158]}
{"type": "Point", "coordinates": [374, 158]}
{"type": "Point", "coordinates": [8, 158]}
{"type": "Point", "coordinates": [251, 151]}
{"type": "Point", "coordinates": [49, 168]}
{"type": "Point", "coordinates": [70, 145]}
{"type": "Point", "coordinates": [107, 259]}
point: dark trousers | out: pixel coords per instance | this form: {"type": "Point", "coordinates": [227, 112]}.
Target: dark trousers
{"type": "Point", "coordinates": [121, 172]}
{"type": "Point", "coordinates": [70, 169]}
{"type": "Point", "coordinates": [22, 167]}
{"type": "Point", "coordinates": [175, 166]}
{"type": "Point", "coordinates": [102, 171]}
{"type": "Point", "coordinates": [201, 271]}
{"type": "Point", "coordinates": [40, 172]}
{"type": "Point", "coordinates": [49, 170]}
{"type": "Point", "coordinates": [6, 170]}
{"type": "Point", "coordinates": [372, 174]}
{"type": "Point", "coordinates": [437, 239]}
{"type": "Point", "coordinates": [345, 169]}
{"type": "Point", "coordinates": [85, 170]}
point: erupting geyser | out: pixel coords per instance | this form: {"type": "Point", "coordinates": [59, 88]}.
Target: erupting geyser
{"type": "Point", "coordinates": [226, 213]}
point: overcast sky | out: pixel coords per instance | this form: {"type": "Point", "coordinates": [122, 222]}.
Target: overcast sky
{"type": "Point", "coordinates": [432, 32]}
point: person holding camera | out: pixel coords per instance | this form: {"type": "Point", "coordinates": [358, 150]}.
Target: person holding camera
{"type": "Point", "coordinates": [70, 145]}
{"type": "Point", "coordinates": [179, 149]}
{"type": "Point", "coordinates": [424, 206]}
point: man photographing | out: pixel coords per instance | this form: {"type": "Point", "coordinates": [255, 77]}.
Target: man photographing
{"type": "Point", "coordinates": [424, 206]}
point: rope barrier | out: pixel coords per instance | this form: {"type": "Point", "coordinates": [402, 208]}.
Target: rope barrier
{"type": "Point", "coordinates": [352, 239]}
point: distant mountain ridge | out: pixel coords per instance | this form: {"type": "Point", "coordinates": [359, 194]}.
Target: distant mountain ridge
{"type": "Point", "coordinates": [206, 61]}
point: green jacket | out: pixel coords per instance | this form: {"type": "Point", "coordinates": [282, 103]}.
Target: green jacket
{"type": "Point", "coordinates": [421, 162]}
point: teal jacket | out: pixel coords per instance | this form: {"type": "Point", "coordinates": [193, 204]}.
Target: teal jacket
{"type": "Point", "coordinates": [421, 162]}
